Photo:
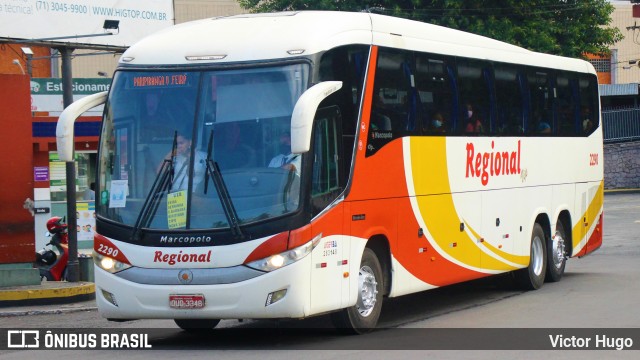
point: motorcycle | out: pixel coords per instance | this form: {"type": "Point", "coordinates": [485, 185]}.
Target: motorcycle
{"type": "Point", "coordinates": [53, 263]}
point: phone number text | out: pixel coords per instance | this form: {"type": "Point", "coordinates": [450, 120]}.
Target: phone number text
{"type": "Point", "coordinates": [55, 6]}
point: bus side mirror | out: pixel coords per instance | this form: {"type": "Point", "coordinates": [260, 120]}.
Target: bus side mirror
{"type": "Point", "coordinates": [305, 111]}
{"type": "Point", "coordinates": [64, 128]}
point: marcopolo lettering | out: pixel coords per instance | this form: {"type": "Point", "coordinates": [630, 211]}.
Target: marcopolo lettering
{"type": "Point", "coordinates": [185, 239]}
{"type": "Point", "coordinates": [174, 258]}
{"type": "Point", "coordinates": [492, 163]}
{"type": "Point", "coordinates": [382, 135]}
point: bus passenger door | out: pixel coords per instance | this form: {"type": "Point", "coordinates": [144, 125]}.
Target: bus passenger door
{"type": "Point", "coordinates": [327, 260]}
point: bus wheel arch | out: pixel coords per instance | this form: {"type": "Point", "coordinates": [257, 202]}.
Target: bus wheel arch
{"type": "Point", "coordinates": [559, 246]}
{"type": "Point", "coordinates": [380, 246]}
{"type": "Point", "coordinates": [373, 279]}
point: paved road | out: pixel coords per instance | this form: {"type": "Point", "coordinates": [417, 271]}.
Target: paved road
{"type": "Point", "coordinates": [598, 291]}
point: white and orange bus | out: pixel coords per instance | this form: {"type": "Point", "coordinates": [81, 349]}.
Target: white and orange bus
{"type": "Point", "coordinates": [293, 164]}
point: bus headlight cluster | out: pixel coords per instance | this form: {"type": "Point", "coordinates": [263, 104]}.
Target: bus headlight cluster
{"type": "Point", "coordinates": [109, 264]}
{"type": "Point", "coordinates": [277, 261]}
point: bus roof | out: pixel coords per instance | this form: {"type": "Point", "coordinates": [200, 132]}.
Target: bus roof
{"type": "Point", "coordinates": [253, 37]}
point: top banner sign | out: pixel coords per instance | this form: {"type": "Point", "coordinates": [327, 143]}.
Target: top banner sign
{"type": "Point", "coordinates": [39, 19]}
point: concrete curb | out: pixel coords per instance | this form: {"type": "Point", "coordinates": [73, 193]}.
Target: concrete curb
{"type": "Point", "coordinates": [46, 294]}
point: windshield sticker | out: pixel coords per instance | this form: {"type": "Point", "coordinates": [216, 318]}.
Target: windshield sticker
{"type": "Point", "coordinates": [118, 193]}
{"type": "Point", "coordinates": [177, 209]}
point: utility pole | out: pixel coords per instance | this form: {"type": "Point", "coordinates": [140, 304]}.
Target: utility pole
{"type": "Point", "coordinates": [73, 267]}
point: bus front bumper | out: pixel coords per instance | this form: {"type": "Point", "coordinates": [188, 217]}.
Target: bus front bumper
{"type": "Point", "coordinates": [118, 298]}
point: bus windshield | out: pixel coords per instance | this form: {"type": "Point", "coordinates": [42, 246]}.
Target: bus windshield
{"type": "Point", "coordinates": [200, 149]}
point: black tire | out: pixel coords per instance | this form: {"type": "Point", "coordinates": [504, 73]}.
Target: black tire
{"type": "Point", "coordinates": [556, 254]}
{"type": "Point", "coordinates": [197, 325]}
{"type": "Point", "coordinates": [532, 277]}
{"type": "Point", "coordinates": [363, 316]}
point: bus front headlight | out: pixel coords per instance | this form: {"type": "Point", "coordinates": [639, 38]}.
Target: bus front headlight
{"type": "Point", "coordinates": [283, 259]}
{"type": "Point", "coordinates": [109, 264]}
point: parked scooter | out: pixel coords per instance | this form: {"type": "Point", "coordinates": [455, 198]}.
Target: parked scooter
{"type": "Point", "coordinates": [53, 264]}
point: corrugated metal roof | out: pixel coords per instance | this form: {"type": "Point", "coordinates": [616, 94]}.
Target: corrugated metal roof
{"type": "Point", "coordinates": [618, 89]}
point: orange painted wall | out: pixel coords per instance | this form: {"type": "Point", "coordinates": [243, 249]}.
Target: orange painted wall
{"type": "Point", "coordinates": [41, 68]}
{"type": "Point", "coordinates": [17, 242]}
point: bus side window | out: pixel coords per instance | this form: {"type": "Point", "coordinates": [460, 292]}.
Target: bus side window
{"type": "Point", "coordinates": [325, 185]}
{"type": "Point", "coordinates": [541, 100]}
{"type": "Point", "coordinates": [566, 105]}
{"type": "Point", "coordinates": [394, 100]}
{"type": "Point", "coordinates": [346, 64]}
{"type": "Point", "coordinates": [509, 98]}
{"type": "Point", "coordinates": [433, 83]}
{"type": "Point", "coordinates": [589, 117]}
{"type": "Point", "coordinates": [475, 99]}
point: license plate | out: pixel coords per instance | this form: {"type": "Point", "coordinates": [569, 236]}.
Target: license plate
{"type": "Point", "coordinates": [195, 301]}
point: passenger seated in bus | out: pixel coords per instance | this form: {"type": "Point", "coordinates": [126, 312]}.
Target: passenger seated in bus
{"type": "Point", "coordinates": [438, 124]}
{"type": "Point", "coordinates": [285, 159]}
{"type": "Point", "coordinates": [543, 127]}
{"type": "Point", "coordinates": [587, 124]}
{"type": "Point", "coordinates": [473, 124]}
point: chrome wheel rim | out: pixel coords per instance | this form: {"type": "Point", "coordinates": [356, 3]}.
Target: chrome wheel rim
{"type": "Point", "coordinates": [558, 250]}
{"type": "Point", "coordinates": [537, 256]}
{"type": "Point", "coordinates": [367, 291]}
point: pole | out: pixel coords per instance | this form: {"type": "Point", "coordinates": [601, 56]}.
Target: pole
{"type": "Point", "coordinates": [73, 268]}
{"type": "Point", "coordinates": [29, 66]}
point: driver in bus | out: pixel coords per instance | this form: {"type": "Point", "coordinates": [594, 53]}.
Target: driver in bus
{"type": "Point", "coordinates": [285, 159]}
{"type": "Point", "coordinates": [181, 164]}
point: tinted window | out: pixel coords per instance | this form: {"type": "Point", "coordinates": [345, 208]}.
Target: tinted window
{"type": "Point", "coordinates": [541, 104]}
{"type": "Point", "coordinates": [474, 79]}
{"type": "Point", "coordinates": [566, 102]}
{"type": "Point", "coordinates": [434, 83]}
{"type": "Point", "coordinates": [588, 104]}
{"type": "Point", "coordinates": [509, 99]}
{"type": "Point", "coordinates": [394, 101]}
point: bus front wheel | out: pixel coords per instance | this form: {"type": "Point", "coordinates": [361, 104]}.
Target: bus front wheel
{"type": "Point", "coordinates": [532, 277]}
{"type": "Point", "coordinates": [196, 325]}
{"type": "Point", "coordinates": [363, 316]}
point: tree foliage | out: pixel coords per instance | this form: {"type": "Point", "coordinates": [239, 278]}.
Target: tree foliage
{"type": "Point", "coordinates": [562, 27]}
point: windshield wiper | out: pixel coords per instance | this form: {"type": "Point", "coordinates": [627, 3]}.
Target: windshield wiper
{"type": "Point", "coordinates": [162, 183]}
{"type": "Point", "coordinates": [213, 171]}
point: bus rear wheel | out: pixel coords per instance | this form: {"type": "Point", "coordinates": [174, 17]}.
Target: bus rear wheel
{"type": "Point", "coordinates": [532, 277]}
{"type": "Point", "coordinates": [196, 325]}
{"type": "Point", "coordinates": [557, 255]}
{"type": "Point", "coordinates": [364, 315]}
